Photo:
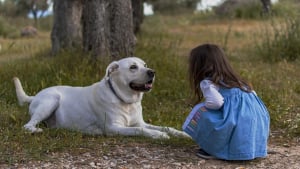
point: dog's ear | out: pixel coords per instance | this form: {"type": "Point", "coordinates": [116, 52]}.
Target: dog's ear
{"type": "Point", "coordinates": [111, 68]}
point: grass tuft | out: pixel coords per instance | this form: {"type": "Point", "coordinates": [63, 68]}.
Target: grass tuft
{"type": "Point", "coordinates": [281, 41]}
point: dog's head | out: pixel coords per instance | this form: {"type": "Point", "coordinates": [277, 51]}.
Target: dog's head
{"type": "Point", "coordinates": [130, 77]}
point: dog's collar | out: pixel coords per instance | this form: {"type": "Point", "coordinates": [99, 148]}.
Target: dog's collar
{"type": "Point", "coordinates": [113, 90]}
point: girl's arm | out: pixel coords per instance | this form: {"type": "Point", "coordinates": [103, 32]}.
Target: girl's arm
{"type": "Point", "coordinates": [213, 99]}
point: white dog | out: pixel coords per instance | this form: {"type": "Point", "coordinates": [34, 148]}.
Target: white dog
{"type": "Point", "coordinates": [109, 107]}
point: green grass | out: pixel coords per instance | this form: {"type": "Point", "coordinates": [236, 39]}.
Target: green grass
{"type": "Point", "coordinates": [6, 30]}
{"type": "Point", "coordinates": [164, 49]}
{"type": "Point", "coordinates": [281, 41]}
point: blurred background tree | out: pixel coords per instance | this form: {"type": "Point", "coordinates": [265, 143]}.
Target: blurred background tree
{"type": "Point", "coordinates": [244, 8]}
{"type": "Point", "coordinates": [173, 6]}
{"type": "Point", "coordinates": [22, 8]}
{"type": "Point", "coordinates": [36, 7]}
{"type": "Point", "coordinates": [266, 6]}
{"type": "Point", "coordinates": [8, 8]}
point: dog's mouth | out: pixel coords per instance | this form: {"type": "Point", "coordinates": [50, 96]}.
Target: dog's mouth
{"type": "Point", "coordinates": [141, 87]}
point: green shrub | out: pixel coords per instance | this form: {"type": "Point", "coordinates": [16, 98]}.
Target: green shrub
{"type": "Point", "coordinates": [254, 10]}
{"type": "Point", "coordinates": [281, 42]}
{"type": "Point", "coordinates": [244, 9]}
{"type": "Point", "coordinates": [8, 9]}
{"type": "Point", "coordinates": [173, 6]}
{"type": "Point", "coordinates": [5, 29]}
{"type": "Point", "coordinates": [249, 11]}
{"type": "Point", "coordinates": [285, 8]}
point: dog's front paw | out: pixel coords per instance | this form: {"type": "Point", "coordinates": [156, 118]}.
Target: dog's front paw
{"type": "Point", "coordinates": [177, 133]}
{"type": "Point", "coordinates": [32, 129]}
{"type": "Point", "coordinates": [183, 134]}
{"type": "Point", "coordinates": [159, 135]}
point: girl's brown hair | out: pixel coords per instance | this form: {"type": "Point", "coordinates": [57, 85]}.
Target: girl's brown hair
{"type": "Point", "coordinates": [209, 61]}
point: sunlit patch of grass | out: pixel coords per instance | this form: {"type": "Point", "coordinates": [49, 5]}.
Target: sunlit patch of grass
{"type": "Point", "coordinates": [12, 49]}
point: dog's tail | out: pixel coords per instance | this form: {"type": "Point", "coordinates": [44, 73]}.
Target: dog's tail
{"type": "Point", "coordinates": [21, 95]}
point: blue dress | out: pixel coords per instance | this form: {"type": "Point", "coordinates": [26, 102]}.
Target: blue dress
{"type": "Point", "coordinates": [239, 130]}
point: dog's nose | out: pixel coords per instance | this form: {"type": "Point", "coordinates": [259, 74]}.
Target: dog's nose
{"type": "Point", "coordinates": [151, 73]}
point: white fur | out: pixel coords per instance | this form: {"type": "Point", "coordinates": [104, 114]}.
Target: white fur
{"type": "Point", "coordinates": [96, 109]}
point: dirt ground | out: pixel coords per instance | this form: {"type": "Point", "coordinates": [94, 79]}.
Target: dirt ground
{"type": "Point", "coordinates": [149, 157]}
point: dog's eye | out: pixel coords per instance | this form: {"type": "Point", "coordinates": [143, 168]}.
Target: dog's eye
{"type": "Point", "coordinates": [145, 65]}
{"type": "Point", "coordinates": [133, 67]}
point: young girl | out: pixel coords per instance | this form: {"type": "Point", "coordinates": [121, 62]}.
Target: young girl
{"type": "Point", "coordinates": [232, 123]}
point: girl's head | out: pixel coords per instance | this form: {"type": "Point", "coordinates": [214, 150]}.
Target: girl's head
{"type": "Point", "coordinates": [209, 61]}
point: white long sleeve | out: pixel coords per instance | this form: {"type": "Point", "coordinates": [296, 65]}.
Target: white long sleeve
{"type": "Point", "coordinates": [213, 99]}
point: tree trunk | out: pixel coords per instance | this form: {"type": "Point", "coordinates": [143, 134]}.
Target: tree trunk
{"type": "Point", "coordinates": [266, 6]}
{"type": "Point", "coordinates": [35, 17]}
{"type": "Point", "coordinates": [122, 38]}
{"type": "Point", "coordinates": [138, 14]}
{"type": "Point", "coordinates": [95, 27]}
{"type": "Point", "coordinates": [108, 28]}
{"type": "Point", "coordinates": [66, 31]}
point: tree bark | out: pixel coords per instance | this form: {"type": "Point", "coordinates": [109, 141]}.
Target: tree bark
{"type": "Point", "coordinates": [95, 25]}
{"type": "Point", "coordinates": [266, 6]}
{"type": "Point", "coordinates": [122, 38]}
{"type": "Point", "coordinates": [66, 31]}
{"type": "Point", "coordinates": [108, 28]}
{"type": "Point", "coordinates": [138, 14]}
